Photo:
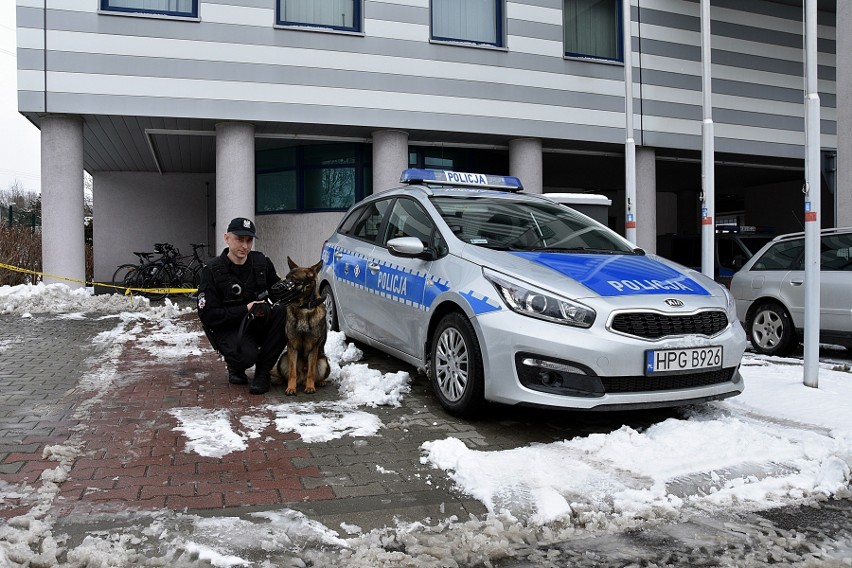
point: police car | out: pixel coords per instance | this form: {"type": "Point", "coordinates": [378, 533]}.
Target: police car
{"type": "Point", "coordinates": [511, 298]}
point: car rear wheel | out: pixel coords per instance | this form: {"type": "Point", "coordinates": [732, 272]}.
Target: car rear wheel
{"type": "Point", "coordinates": [455, 366]}
{"type": "Point", "coordinates": [771, 330]}
{"type": "Point", "coordinates": [330, 308]}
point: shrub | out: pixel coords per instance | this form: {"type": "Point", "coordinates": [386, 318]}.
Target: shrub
{"type": "Point", "coordinates": [20, 246]}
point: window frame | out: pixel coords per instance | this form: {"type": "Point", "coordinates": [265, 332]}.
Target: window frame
{"type": "Point", "coordinates": [356, 28]}
{"type": "Point", "coordinates": [361, 165]}
{"type": "Point", "coordinates": [619, 37]}
{"type": "Point", "coordinates": [360, 215]}
{"type": "Point", "coordinates": [499, 29]}
{"type": "Point", "coordinates": [193, 14]}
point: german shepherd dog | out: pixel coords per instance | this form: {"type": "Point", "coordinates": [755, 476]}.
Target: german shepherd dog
{"type": "Point", "coordinates": [306, 333]}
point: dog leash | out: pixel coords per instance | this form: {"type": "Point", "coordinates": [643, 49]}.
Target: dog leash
{"type": "Point", "coordinates": [244, 323]}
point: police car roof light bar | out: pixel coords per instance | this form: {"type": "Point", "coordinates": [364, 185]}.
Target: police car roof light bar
{"type": "Point", "coordinates": [447, 177]}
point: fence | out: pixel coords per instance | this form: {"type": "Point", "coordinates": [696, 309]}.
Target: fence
{"type": "Point", "coordinates": [15, 216]}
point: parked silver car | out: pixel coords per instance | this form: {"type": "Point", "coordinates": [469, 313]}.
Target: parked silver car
{"type": "Point", "coordinates": [770, 293]}
{"type": "Point", "coordinates": [512, 298]}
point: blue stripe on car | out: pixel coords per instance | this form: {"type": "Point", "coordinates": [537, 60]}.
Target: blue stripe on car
{"type": "Point", "coordinates": [391, 281]}
{"type": "Point", "coordinates": [618, 275]}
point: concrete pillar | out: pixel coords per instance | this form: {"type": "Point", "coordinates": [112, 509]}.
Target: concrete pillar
{"type": "Point", "coordinates": [525, 163]}
{"type": "Point", "coordinates": [844, 113]}
{"type": "Point", "coordinates": [234, 175]}
{"type": "Point", "coordinates": [62, 239]}
{"type": "Point", "coordinates": [390, 157]}
{"type": "Point", "coordinates": [646, 199]}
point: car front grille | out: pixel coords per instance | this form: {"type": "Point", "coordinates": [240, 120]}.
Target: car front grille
{"type": "Point", "coordinates": [667, 382]}
{"type": "Point", "coordinates": [651, 325]}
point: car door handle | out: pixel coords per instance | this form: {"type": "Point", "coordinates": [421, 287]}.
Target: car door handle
{"type": "Point", "coordinates": [796, 282]}
{"type": "Point", "coordinates": [338, 255]}
{"type": "Point", "coordinates": [373, 267]}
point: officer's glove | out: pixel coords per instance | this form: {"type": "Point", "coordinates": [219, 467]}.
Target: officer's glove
{"type": "Point", "coordinates": [259, 310]}
{"type": "Point", "coordinates": [284, 292]}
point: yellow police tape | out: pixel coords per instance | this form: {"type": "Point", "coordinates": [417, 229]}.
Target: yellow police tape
{"type": "Point", "coordinates": [128, 291]}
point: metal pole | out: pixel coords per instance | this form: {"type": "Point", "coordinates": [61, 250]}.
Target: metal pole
{"type": "Point", "coordinates": [812, 192]}
{"type": "Point", "coordinates": [708, 151]}
{"type": "Point", "coordinates": [629, 143]}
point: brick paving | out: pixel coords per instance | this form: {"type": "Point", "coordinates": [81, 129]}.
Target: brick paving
{"type": "Point", "coordinates": [134, 457]}
{"type": "Point", "coordinates": [111, 402]}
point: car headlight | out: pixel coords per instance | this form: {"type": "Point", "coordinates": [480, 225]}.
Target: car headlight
{"type": "Point", "coordinates": [527, 301]}
{"type": "Point", "coordinates": [731, 303]}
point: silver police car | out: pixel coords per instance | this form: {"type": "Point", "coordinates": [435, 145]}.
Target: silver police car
{"type": "Point", "coordinates": [511, 298]}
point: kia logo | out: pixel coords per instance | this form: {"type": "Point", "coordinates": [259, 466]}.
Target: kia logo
{"type": "Point", "coordinates": [674, 302]}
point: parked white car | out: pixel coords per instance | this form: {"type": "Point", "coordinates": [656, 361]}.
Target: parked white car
{"type": "Point", "coordinates": [512, 298]}
{"type": "Point", "coordinates": [770, 292]}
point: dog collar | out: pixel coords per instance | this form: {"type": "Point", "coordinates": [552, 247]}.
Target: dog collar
{"type": "Point", "coordinates": [312, 304]}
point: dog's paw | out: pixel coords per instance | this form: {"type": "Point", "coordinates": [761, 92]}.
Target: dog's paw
{"type": "Point", "coordinates": [320, 384]}
{"type": "Point", "coordinates": [310, 390]}
{"type": "Point", "coordinates": [290, 392]}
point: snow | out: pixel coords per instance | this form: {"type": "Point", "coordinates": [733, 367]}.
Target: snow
{"type": "Point", "coordinates": [778, 443]}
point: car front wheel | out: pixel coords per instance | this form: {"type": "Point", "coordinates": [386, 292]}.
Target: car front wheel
{"type": "Point", "coordinates": [455, 366]}
{"type": "Point", "coordinates": [771, 330]}
{"type": "Point", "coordinates": [330, 309]}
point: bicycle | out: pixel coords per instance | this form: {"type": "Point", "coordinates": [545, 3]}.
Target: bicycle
{"type": "Point", "coordinates": [126, 273]}
{"type": "Point", "coordinates": [192, 271]}
{"type": "Point", "coordinates": [162, 274]}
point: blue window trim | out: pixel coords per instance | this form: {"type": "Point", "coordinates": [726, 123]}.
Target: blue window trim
{"type": "Point", "coordinates": [619, 47]}
{"type": "Point", "coordinates": [355, 27]}
{"type": "Point", "coordinates": [498, 16]}
{"type": "Point", "coordinates": [105, 6]}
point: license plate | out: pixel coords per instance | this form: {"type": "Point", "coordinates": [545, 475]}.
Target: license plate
{"type": "Point", "coordinates": [667, 361]}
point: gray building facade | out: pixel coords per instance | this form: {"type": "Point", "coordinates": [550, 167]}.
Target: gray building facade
{"type": "Point", "coordinates": [190, 112]}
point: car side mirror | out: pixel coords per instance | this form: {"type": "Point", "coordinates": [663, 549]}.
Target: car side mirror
{"type": "Point", "coordinates": [409, 247]}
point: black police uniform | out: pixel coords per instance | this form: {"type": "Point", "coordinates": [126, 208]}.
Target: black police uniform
{"type": "Point", "coordinates": [223, 293]}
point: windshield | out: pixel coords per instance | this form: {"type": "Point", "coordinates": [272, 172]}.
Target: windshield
{"type": "Point", "coordinates": [526, 225]}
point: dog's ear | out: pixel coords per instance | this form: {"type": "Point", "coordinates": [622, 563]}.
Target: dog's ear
{"type": "Point", "coordinates": [291, 264]}
{"type": "Point", "coordinates": [316, 268]}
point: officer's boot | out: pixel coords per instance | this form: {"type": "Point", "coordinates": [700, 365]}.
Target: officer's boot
{"type": "Point", "coordinates": [260, 382]}
{"type": "Point", "coordinates": [237, 376]}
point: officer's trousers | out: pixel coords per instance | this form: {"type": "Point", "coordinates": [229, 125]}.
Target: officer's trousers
{"type": "Point", "coordinates": [263, 339]}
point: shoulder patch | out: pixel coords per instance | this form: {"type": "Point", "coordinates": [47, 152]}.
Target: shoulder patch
{"type": "Point", "coordinates": [202, 301]}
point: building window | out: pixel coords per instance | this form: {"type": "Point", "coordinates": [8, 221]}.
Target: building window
{"type": "Point", "coordinates": [186, 8]}
{"type": "Point", "coordinates": [470, 21]}
{"type": "Point", "coordinates": [333, 14]}
{"type": "Point", "coordinates": [327, 177]}
{"type": "Point", "coordinates": [459, 159]}
{"type": "Point", "coordinates": [593, 29]}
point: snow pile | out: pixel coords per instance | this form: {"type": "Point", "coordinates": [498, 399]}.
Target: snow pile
{"type": "Point", "coordinates": [324, 421]}
{"type": "Point", "coordinates": [26, 299]}
{"type": "Point", "coordinates": [28, 540]}
{"type": "Point", "coordinates": [210, 433]}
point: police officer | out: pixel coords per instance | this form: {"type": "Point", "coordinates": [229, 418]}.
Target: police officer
{"type": "Point", "coordinates": [234, 309]}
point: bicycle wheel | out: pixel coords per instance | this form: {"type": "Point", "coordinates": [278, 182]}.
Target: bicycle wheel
{"type": "Point", "coordinates": [119, 277]}
{"type": "Point", "coordinates": [192, 277]}
{"type": "Point", "coordinates": [154, 279]}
